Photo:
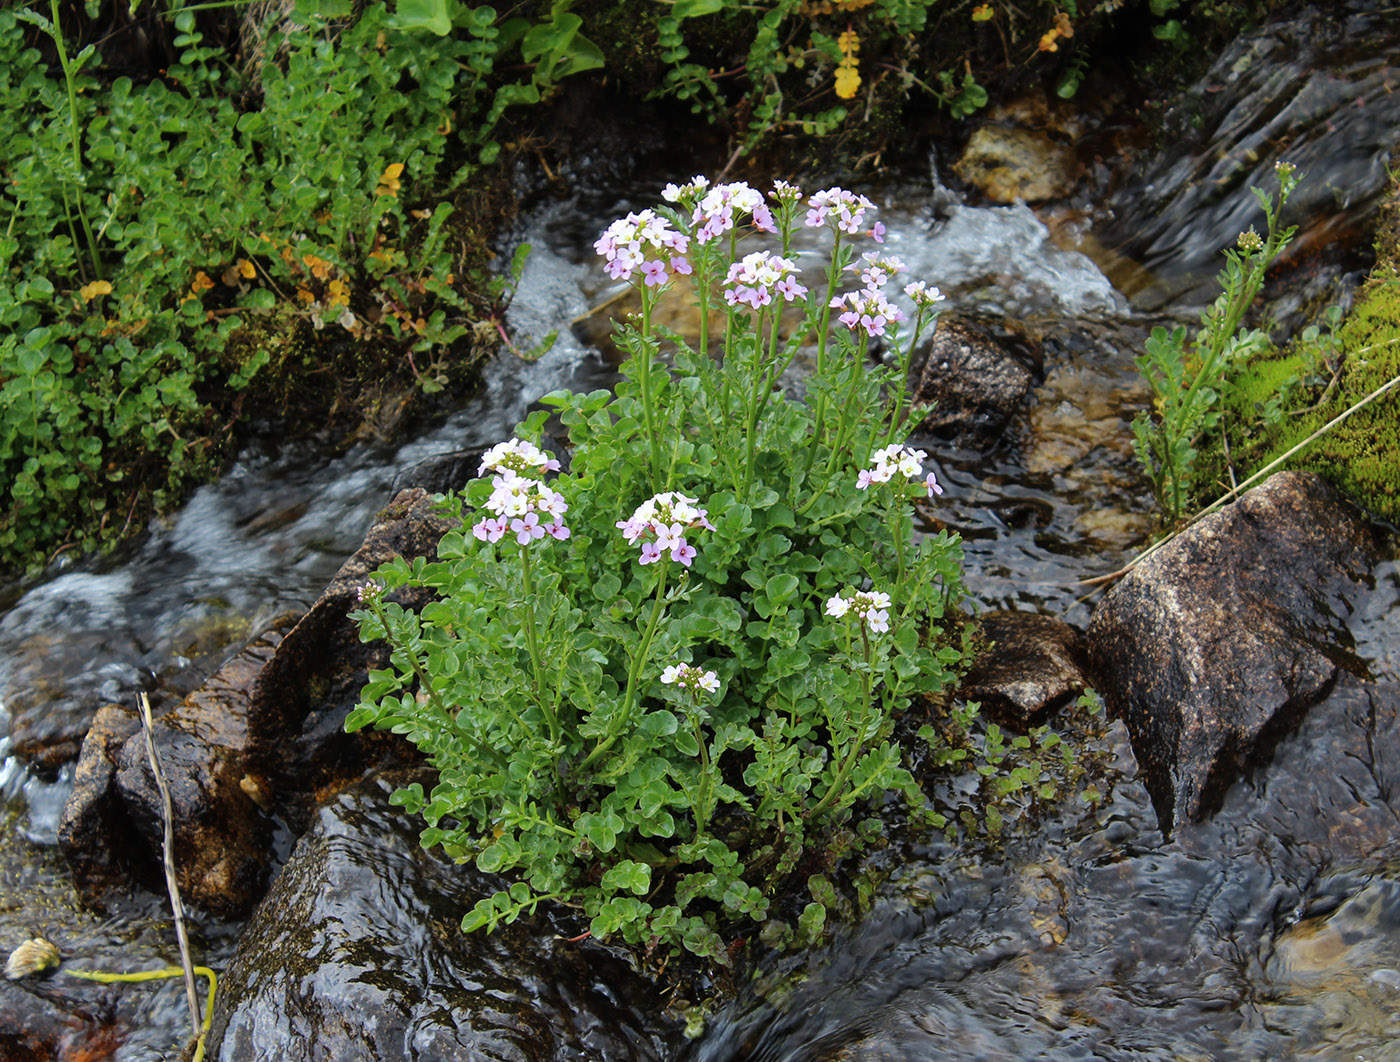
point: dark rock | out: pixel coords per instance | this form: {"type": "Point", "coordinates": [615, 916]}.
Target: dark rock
{"type": "Point", "coordinates": [357, 953]}
{"type": "Point", "coordinates": [112, 831]}
{"type": "Point", "coordinates": [299, 752]}
{"type": "Point", "coordinates": [1033, 664]}
{"type": "Point", "coordinates": [100, 843]}
{"type": "Point", "coordinates": [222, 838]}
{"type": "Point", "coordinates": [973, 378]}
{"type": "Point", "coordinates": [57, 680]}
{"type": "Point", "coordinates": [440, 473]}
{"type": "Point", "coordinates": [1217, 644]}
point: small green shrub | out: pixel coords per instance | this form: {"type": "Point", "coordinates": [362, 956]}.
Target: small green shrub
{"type": "Point", "coordinates": [656, 712]}
{"type": "Point", "coordinates": [1189, 378]}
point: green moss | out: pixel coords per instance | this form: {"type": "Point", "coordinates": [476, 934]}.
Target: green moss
{"type": "Point", "coordinates": [1360, 456]}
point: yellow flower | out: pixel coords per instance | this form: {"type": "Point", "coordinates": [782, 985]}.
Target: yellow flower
{"type": "Point", "coordinates": [981, 13]}
{"type": "Point", "coordinates": [1047, 42]}
{"type": "Point", "coordinates": [96, 288]}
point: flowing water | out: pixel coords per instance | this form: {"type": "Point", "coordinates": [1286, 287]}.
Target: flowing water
{"type": "Point", "coordinates": [1092, 937]}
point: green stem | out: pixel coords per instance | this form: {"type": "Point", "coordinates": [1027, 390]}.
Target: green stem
{"type": "Point", "coordinates": [633, 673]}
{"type": "Point", "coordinates": [702, 801]}
{"type": "Point", "coordinates": [532, 640]}
{"type": "Point", "coordinates": [646, 358]}
{"type": "Point", "coordinates": [163, 974]}
{"type": "Point", "coordinates": [844, 771]}
{"type": "Point", "coordinates": [76, 141]}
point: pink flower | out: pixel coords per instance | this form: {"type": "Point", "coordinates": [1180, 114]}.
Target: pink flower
{"type": "Point", "coordinates": [655, 273]}
{"type": "Point", "coordinates": [628, 244]}
{"type": "Point", "coordinates": [491, 529]}
{"type": "Point", "coordinates": [660, 524]}
{"type": "Point", "coordinates": [758, 276]}
{"type": "Point", "coordinates": [931, 484]}
{"type": "Point", "coordinates": [877, 232]}
{"type": "Point", "coordinates": [868, 310]}
{"type": "Point", "coordinates": [715, 212]}
{"type": "Point", "coordinates": [846, 208]}
{"type": "Point", "coordinates": [558, 530]}
{"type": "Point", "coordinates": [527, 528]}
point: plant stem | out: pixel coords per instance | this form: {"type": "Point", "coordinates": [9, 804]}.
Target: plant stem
{"type": "Point", "coordinates": [633, 673]}
{"type": "Point", "coordinates": [532, 640]}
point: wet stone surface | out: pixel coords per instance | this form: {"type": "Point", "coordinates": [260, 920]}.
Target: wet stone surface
{"type": "Point", "coordinates": [1220, 641]}
{"type": "Point", "coordinates": [357, 953]}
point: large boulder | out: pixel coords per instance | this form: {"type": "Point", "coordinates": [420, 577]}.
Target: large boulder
{"type": "Point", "coordinates": [357, 953]}
{"type": "Point", "coordinates": [1217, 644]}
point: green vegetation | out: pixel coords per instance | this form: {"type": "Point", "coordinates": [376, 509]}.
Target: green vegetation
{"type": "Point", "coordinates": [1189, 378]}
{"type": "Point", "coordinates": [1232, 405]}
{"type": "Point", "coordinates": [660, 740]}
{"type": "Point", "coordinates": [1289, 395]}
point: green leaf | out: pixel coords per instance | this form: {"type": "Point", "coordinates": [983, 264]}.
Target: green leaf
{"type": "Point", "coordinates": [430, 15]}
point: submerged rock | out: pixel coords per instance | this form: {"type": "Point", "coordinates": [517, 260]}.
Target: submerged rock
{"type": "Point", "coordinates": [1217, 644]}
{"type": "Point", "coordinates": [357, 953]}
{"type": "Point", "coordinates": [1009, 164]}
{"type": "Point", "coordinates": [974, 378]}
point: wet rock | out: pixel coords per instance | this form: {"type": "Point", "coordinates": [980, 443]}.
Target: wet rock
{"type": "Point", "coordinates": [1218, 644]}
{"type": "Point", "coordinates": [440, 473]}
{"type": "Point", "coordinates": [112, 830]}
{"type": "Point", "coordinates": [102, 846]}
{"type": "Point", "coordinates": [974, 377]}
{"type": "Point", "coordinates": [299, 752]}
{"type": "Point", "coordinates": [1009, 163]}
{"type": "Point", "coordinates": [1034, 663]}
{"type": "Point", "coordinates": [357, 953]}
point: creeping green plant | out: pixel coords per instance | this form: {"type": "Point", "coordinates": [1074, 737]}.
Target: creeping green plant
{"type": "Point", "coordinates": [654, 684]}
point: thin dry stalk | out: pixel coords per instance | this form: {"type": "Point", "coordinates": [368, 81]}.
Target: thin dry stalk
{"type": "Point", "coordinates": [177, 909]}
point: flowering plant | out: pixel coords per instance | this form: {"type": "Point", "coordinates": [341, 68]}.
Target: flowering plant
{"type": "Point", "coordinates": [655, 717]}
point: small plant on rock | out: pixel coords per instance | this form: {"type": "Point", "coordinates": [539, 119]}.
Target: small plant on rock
{"type": "Point", "coordinates": [653, 683]}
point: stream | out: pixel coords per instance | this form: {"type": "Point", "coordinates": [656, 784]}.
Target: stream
{"type": "Point", "coordinates": [1090, 936]}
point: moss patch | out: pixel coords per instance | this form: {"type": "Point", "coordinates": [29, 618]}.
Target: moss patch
{"type": "Point", "coordinates": [1360, 456]}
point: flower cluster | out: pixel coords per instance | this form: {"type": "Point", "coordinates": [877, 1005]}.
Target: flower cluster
{"type": "Point", "coordinates": [518, 498]}
{"type": "Point", "coordinates": [690, 678]}
{"type": "Point", "coordinates": [922, 295]}
{"type": "Point", "coordinates": [877, 270]}
{"type": "Point", "coordinates": [686, 194]}
{"type": "Point", "coordinates": [758, 277]}
{"type": "Point", "coordinates": [894, 459]}
{"type": "Point", "coordinates": [644, 241]}
{"type": "Point", "coordinates": [867, 309]}
{"type": "Point", "coordinates": [872, 606]}
{"type": "Point", "coordinates": [844, 209]}
{"type": "Point", "coordinates": [784, 193]}
{"type": "Point", "coordinates": [660, 524]}
{"type": "Point", "coordinates": [519, 456]}
{"type": "Point", "coordinates": [714, 214]}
